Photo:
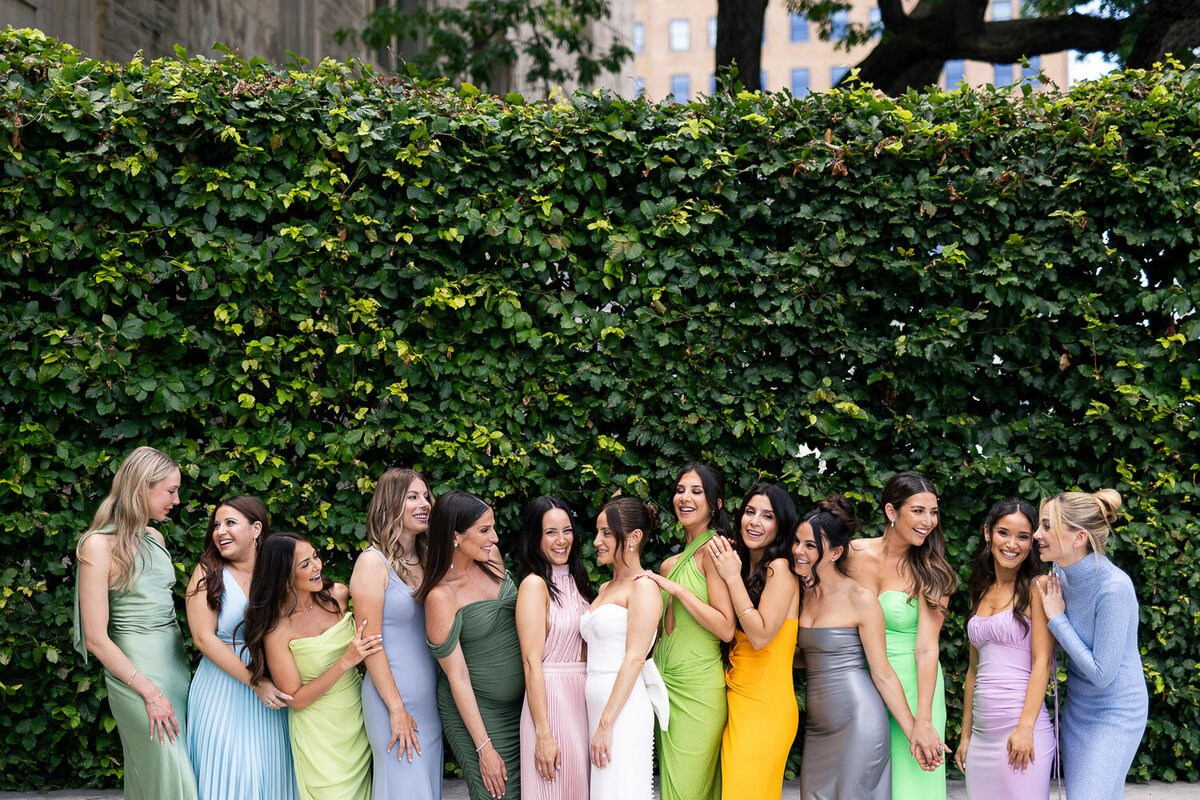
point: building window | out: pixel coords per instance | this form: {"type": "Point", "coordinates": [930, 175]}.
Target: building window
{"type": "Point", "coordinates": [1029, 71]}
{"type": "Point", "coordinates": [679, 32]}
{"type": "Point", "coordinates": [839, 25]}
{"type": "Point", "coordinates": [800, 82]}
{"type": "Point", "coordinates": [712, 33]}
{"type": "Point", "coordinates": [681, 88]}
{"type": "Point", "coordinates": [639, 37]}
{"type": "Point", "coordinates": [836, 74]}
{"type": "Point", "coordinates": [639, 87]}
{"type": "Point", "coordinates": [1002, 74]}
{"type": "Point", "coordinates": [876, 19]}
{"type": "Point", "coordinates": [799, 25]}
{"type": "Point", "coordinates": [955, 73]}
{"type": "Point", "coordinates": [1002, 10]}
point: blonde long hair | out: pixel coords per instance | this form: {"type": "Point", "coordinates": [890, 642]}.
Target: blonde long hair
{"type": "Point", "coordinates": [1093, 513]}
{"type": "Point", "coordinates": [385, 520]}
{"type": "Point", "coordinates": [124, 513]}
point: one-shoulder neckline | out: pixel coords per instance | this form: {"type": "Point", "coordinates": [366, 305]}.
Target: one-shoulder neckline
{"type": "Point", "coordinates": [323, 633]}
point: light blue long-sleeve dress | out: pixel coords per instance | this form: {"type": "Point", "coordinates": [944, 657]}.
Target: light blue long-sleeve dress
{"type": "Point", "coordinates": [1105, 712]}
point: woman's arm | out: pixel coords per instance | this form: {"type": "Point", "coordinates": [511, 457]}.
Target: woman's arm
{"type": "Point", "coordinates": [368, 585]}
{"type": "Point", "coordinates": [645, 608]}
{"type": "Point", "coordinates": [533, 610]}
{"type": "Point", "coordinates": [968, 718]}
{"type": "Point", "coordinates": [929, 627]}
{"type": "Point", "coordinates": [440, 610]}
{"type": "Point", "coordinates": [1114, 612]}
{"type": "Point", "coordinates": [283, 669]}
{"type": "Point", "coordinates": [94, 579]}
{"type": "Point", "coordinates": [1020, 743]}
{"type": "Point", "coordinates": [716, 616]}
{"type": "Point", "coordinates": [761, 624]}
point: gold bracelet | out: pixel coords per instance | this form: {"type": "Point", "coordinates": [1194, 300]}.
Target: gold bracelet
{"type": "Point", "coordinates": [744, 613]}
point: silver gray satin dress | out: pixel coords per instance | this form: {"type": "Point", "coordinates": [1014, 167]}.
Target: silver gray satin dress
{"type": "Point", "coordinates": [846, 750]}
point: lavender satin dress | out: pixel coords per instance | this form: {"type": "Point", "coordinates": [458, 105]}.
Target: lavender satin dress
{"type": "Point", "coordinates": [1005, 662]}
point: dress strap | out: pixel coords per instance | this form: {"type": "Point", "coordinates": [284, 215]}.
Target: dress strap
{"type": "Point", "coordinates": [447, 647]}
{"type": "Point", "coordinates": [689, 552]}
{"type": "Point", "coordinates": [78, 640]}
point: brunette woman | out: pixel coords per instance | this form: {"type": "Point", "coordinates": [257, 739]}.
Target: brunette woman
{"type": "Point", "coordinates": [125, 616]}
{"type": "Point", "coordinates": [301, 636]}
{"type": "Point", "coordinates": [763, 715]}
{"type": "Point", "coordinates": [554, 594]}
{"type": "Point", "coordinates": [906, 568]}
{"type": "Point", "coordinates": [1008, 741]}
{"type": "Point", "coordinates": [399, 693]}
{"type": "Point", "coordinates": [470, 620]}
{"type": "Point", "coordinates": [237, 730]}
{"type": "Point", "coordinates": [1093, 613]}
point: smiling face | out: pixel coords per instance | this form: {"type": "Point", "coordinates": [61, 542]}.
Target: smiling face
{"type": "Point", "coordinates": [235, 537]}
{"type": "Point", "coordinates": [161, 497]}
{"type": "Point", "coordinates": [606, 541]}
{"type": "Point", "coordinates": [804, 552]}
{"type": "Point", "coordinates": [477, 541]}
{"type": "Point", "coordinates": [417, 503]}
{"type": "Point", "coordinates": [1011, 540]}
{"type": "Point", "coordinates": [1054, 542]}
{"type": "Point", "coordinates": [558, 534]}
{"type": "Point", "coordinates": [759, 527]}
{"type": "Point", "coordinates": [915, 519]}
{"type": "Point", "coordinates": [306, 569]}
{"type": "Point", "coordinates": [691, 504]}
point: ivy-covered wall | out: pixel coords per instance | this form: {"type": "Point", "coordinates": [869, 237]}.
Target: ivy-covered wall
{"type": "Point", "coordinates": [291, 280]}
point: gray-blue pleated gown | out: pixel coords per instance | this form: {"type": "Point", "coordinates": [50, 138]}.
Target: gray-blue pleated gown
{"type": "Point", "coordinates": [415, 673]}
{"type": "Point", "coordinates": [239, 747]}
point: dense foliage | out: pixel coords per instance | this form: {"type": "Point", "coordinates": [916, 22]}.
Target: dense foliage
{"type": "Point", "coordinates": [290, 281]}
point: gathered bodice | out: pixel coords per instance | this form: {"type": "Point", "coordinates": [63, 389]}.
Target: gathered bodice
{"type": "Point", "coordinates": [564, 643]}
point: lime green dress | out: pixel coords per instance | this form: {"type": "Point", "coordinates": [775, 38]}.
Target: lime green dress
{"type": "Point", "coordinates": [142, 622]}
{"type": "Point", "coordinates": [909, 781]}
{"type": "Point", "coordinates": [487, 632]}
{"type": "Point", "coordinates": [689, 658]}
{"type": "Point", "coordinates": [329, 742]}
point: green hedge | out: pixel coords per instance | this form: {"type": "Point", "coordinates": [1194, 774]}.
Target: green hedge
{"type": "Point", "coordinates": [290, 280]}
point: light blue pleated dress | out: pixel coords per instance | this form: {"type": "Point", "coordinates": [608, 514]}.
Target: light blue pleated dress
{"type": "Point", "coordinates": [239, 747]}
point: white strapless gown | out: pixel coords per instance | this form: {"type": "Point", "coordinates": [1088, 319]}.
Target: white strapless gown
{"type": "Point", "coordinates": [630, 775]}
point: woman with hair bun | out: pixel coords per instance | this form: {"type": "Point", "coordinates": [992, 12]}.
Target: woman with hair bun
{"type": "Point", "coordinates": [906, 568]}
{"type": "Point", "coordinates": [697, 617]}
{"type": "Point", "coordinates": [471, 629]}
{"type": "Point", "coordinates": [624, 688]}
{"type": "Point", "coordinates": [847, 739]}
{"type": "Point", "coordinates": [554, 595]}
{"type": "Point", "coordinates": [1008, 741]}
{"type": "Point", "coordinates": [237, 729]}
{"type": "Point", "coordinates": [763, 715]}
{"type": "Point", "coordinates": [125, 617]}
{"type": "Point", "coordinates": [1093, 613]}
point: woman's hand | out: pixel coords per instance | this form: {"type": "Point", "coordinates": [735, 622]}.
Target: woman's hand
{"type": "Point", "coordinates": [669, 586]}
{"type": "Point", "coordinates": [362, 646]}
{"type": "Point", "coordinates": [602, 746]}
{"type": "Point", "coordinates": [491, 767]}
{"type": "Point", "coordinates": [725, 558]}
{"type": "Point", "coordinates": [404, 734]}
{"type": "Point", "coordinates": [1020, 748]}
{"type": "Point", "coordinates": [270, 695]}
{"type": "Point", "coordinates": [926, 746]}
{"type": "Point", "coordinates": [960, 755]}
{"type": "Point", "coordinates": [162, 717]}
{"type": "Point", "coordinates": [547, 757]}
{"type": "Point", "coordinates": [1050, 588]}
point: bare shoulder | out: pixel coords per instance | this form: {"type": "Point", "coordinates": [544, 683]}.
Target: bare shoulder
{"type": "Point", "coordinates": [97, 545]}
{"type": "Point", "coordinates": [533, 585]}
{"type": "Point", "coordinates": [668, 565]}
{"type": "Point", "coordinates": [158, 537]}
{"type": "Point", "coordinates": [341, 594]}
{"type": "Point", "coordinates": [646, 593]}
{"type": "Point", "coordinates": [861, 597]}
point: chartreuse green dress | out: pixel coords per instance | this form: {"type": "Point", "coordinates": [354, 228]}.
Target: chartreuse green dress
{"type": "Point", "coordinates": [329, 742]}
{"type": "Point", "coordinates": [689, 658]}
{"type": "Point", "coordinates": [909, 781]}
{"type": "Point", "coordinates": [487, 632]}
{"type": "Point", "coordinates": [141, 621]}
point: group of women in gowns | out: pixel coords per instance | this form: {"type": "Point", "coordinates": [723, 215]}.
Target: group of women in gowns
{"type": "Point", "coordinates": [556, 690]}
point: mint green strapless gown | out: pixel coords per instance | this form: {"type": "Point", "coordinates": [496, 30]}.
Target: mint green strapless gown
{"type": "Point", "coordinates": [141, 621]}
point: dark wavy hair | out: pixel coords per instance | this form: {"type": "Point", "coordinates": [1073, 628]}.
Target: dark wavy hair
{"type": "Point", "coordinates": [834, 523]}
{"type": "Point", "coordinates": [785, 522]}
{"type": "Point", "coordinates": [529, 547]}
{"type": "Point", "coordinates": [272, 597]}
{"type": "Point", "coordinates": [453, 512]}
{"type": "Point", "coordinates": [983, 565]}
{"type": "Point", "coordinates": [932, 577]}
{"type": "Point", "coordinates": [714, 494]}
{"type": "Point", "coordinates": [212, 563]}
{"type": "Point", "coordinates": [625, 515]}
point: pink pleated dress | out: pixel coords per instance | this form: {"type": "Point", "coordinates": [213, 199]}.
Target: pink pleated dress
{"type": "Point", "coordinates": [1005, 662]}
{"type": "Point", "coordinates": [565, 676]}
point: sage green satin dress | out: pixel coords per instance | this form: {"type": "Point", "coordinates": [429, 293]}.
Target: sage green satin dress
{"type": "Point", "coordinates": [142, 622]}
{"type": "Point", "coordinates": [487, 632]}
{"type": "Point", "coordinates": [689, 658]}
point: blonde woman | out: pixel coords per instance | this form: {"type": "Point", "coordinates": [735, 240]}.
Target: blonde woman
{"type": "Point", "coordinates": [1093, 613]}
{"type": "Point", "coordinates": [125, 617]}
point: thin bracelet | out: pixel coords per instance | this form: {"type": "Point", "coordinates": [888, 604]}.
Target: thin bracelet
{"type": "Point", "coordinates": [155, 699]}
{"type": "Point", "coordinates": [744, 613]}
{"type": "Point", "coordinates": [132, 675]}
{"type": "Point", "coordinates": [485, 744]}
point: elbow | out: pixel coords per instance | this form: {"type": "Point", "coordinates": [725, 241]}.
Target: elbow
{"type": "Point", "coordinates": [727, 632]}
